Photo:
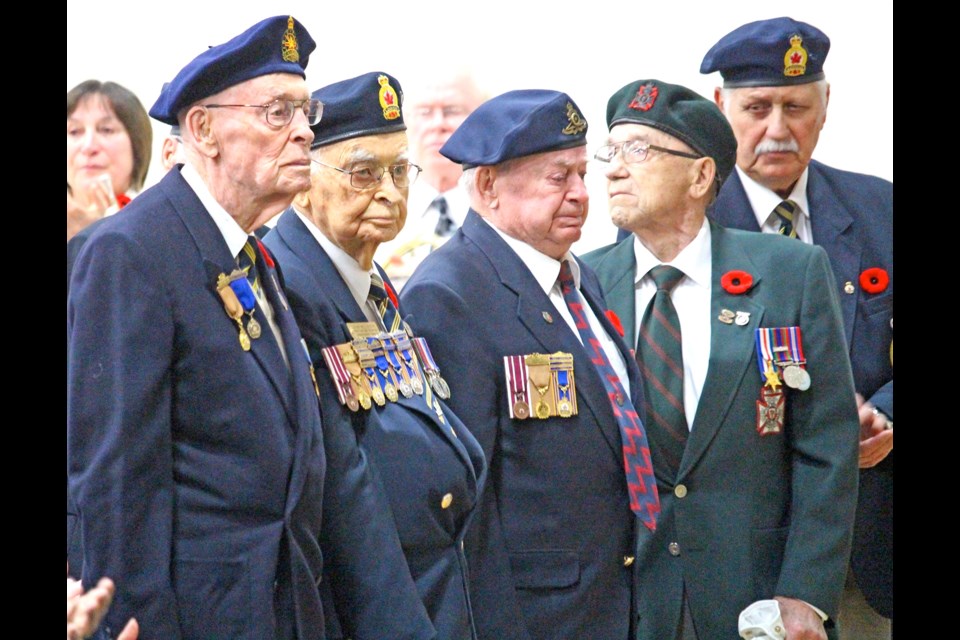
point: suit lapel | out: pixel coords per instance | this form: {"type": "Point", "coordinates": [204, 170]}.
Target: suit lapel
{"type": "Point", "coordinates": [831, 223]}
{"type": "Point", "coordinates": [732, 350]}
{"type": "Point", "coordinates": [621, 265]}
{"type": "Point", "coordinates": [216, 260]}
{"type": "Point", "coordinates": [533, 307]}
{"type": "Point", "coordinates": [735, 206]}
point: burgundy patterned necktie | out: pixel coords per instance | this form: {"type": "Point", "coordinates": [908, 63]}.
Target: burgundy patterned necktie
{"type": "Point", "coordinates": [644, 499]}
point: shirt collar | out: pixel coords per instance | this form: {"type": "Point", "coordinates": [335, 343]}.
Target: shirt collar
{"type": "Point", "coordinates": [764, 201]}
{"type": "Point", "coordinates": [694, 259]}
{"type": "Point", "coordinates": [356, 277]}
{"type": "Point", "coordinates": [545, 269]}
{"type": "Point", "coordinates": [232, 233]}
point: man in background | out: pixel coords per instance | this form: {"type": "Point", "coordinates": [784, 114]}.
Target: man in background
{"type": "Point", "coordinates": [437, 205]}
{"type": "Point", "coordinates": [775, 95]}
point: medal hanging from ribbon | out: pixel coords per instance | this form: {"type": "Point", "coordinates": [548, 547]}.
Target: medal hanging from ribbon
{"type": "Point", "coordinates": [430, 368]}
{"type": "Point", "coordinates": [405, 349]}
{"type": "Point", "coordinates": [368, 364]}
{"type": "Point", "coordinates": [541, 385]}
{"type": "Point", "coordinates": [241, 287]}
{"type": "Point", "coordinates": [341, 377]}
{"type": "Point", "coordinates": [771, 406]}
{"type": "Point", "coordinates": [232, 304]}
{"type": "Point", "coordinates": [384, 374]}
{"type": "Point", "coordinates": [516, 372]}
{"type": "Point", "coordinates": [399, 370]}
{"type": "Point", "coordinates": [783, 346]}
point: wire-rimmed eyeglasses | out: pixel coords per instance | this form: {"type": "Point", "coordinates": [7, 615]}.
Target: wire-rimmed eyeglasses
{"type": "Point", "coordinates": [280, 112]}
{"type": "Point", "coordinates": [366, 176]}
{"type": "Point", "coordinates": [633, 151]}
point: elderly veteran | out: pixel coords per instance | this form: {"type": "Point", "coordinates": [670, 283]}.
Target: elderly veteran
{"type": "Point", "coordinates": [376, 378]}
{"type": "Point", "coordinates": [521, 329]}
{"type": "Point", "coordinates": [195, 453]}
{"type": "Point", "coordinates": [775, 96]}
{"type": "Point", "coordinates": [748, 391]}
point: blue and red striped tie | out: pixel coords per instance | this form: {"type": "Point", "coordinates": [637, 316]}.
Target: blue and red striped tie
{"type": "Point", "coordinates": [641, 484]}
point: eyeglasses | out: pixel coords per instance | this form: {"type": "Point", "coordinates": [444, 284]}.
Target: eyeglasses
{"type": "Point", "coordinates": [279, 113]}
{"type": "Point", "coordinates": [633, 151]}
{"type": "Point", "coordinates": [367, 177]}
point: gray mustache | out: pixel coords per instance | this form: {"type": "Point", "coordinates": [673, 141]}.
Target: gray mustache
{"type": "Point", "coordinates": [775, 146]}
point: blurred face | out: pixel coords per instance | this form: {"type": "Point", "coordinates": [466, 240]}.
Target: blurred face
{"type": "Point", "coordinates": [432, 116]}
{"type": "Point", "coordinates": [651, 193]}
{"type": "Point", "coordinates": [259, 160]}
{"type": "Point", "coordinates": [97, 144]}
{"type": "Point", "coordinates": [356, 220]}
{"type": "Point", "coordinates": [777, 129]}
{"type": "Point", "coordinates": [542, 200]}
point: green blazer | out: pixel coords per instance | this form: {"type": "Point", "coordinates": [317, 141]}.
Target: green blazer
{"type": "Point", "coordinates": [751, 516]}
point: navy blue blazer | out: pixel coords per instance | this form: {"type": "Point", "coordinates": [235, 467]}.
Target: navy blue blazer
{"type": "Point", "coordinates": [197, 467]}
{"type": "Point", "coordinates": [853, 221]}
{"type": "Point", "coordinates": [547, 552]}
{"type": "Point", "coordinates": [418, 458]}
{"type": "Point", "coordinates": [757, 515]}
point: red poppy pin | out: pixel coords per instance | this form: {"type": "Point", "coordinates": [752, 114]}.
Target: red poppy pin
{"type": "Point", "coordinates": [392, 295]}
{"type": "Point", "coordinates": [122, 200]}
{"type": "Point", "coordinates": [874, 280]}
{"type": "Point", "coordinates": [615, 321]}
{"type": "Point", "coordinates": [266, 254]}
{"type": "Point", "coordinates": [736, 282]}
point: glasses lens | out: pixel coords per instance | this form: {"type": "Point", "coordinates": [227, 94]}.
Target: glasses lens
{"type": "Point", "coordinates": [401, 175]}
{"type": "Point", "coordinates": [634, 151]}
{"type": "Point", "coordinates": [365, 177]}
{"type": "Point", "coordinates": [280, 112]}
{"type": "Point", "coordinates": [313, 109]}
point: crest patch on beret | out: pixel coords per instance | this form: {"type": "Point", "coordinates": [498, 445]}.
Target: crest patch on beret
{"type": "Point", "coordinates": [577, 121]}
{"type": "Point", "coordinates": [645, 98]}
{"type": "Point", "coordinates": [795, 59]}
{"type": "Point", "coordinates": [288, 47]}
{"type": "Point", "coordinates": [388, 99]}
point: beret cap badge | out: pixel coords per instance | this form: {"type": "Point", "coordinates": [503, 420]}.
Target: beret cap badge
{"type": "Point", "coordinates": [288, 46]}
{"type": "Point", "coordinates": [577, 122]}
{"type": "Point", "coordinates": [388, 99]}
{"type": "Point", "coordinates": [795, 59]}
{"type": "Point", "coordinates": [645, 98]}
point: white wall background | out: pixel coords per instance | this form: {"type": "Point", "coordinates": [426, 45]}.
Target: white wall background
{"type": "Point", "coordinates": [586, 49]}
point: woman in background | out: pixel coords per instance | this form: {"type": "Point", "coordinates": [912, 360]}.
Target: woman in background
{"type": "Point", "coordinates": [109, 140]}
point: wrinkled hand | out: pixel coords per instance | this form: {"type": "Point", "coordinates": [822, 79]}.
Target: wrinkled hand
{"type": "Point", "coordinates": [800, 620]}
{"type": "Point", "coordinates": [876, 435]}
{"type": "Point", "coordinates": [86, 610]}
{"type": "Point", "coordinates": [87, 205]}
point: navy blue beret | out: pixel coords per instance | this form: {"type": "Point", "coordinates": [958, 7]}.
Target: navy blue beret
{"type": "Point", "coordinates": [362, 106]}
{"type": "Point", "coordinates": [516, 124]}
{"type": "Point", "coordinates": [276, 45]}
{"type": "Point", "coordinates": [776, 52]}
{"type": "Point", "coordinates": [680, 112]}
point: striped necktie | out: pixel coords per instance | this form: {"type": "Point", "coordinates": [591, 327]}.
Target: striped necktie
{"type": "Point", "coordinates": [247, 260]}
{"type": "Point", "coordinates": [660, 356]}
{"type": "Point", "coordinates": [786, 211]}
{"type": "Point", "coordinates": [641, 484]}
{"type": "Point", "coordinates": [383, 303]}
{"type": "Point", "coordinates": [444, 222]}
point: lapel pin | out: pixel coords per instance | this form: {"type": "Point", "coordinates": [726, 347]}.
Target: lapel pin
{"type": "Point", "coordinates": [743, 317]}
{"type": "Point", "coordinates": [547, 317]}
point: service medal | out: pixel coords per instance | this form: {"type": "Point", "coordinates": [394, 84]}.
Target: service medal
{"type": "Point", "coordinates": [405, 388]}
{"type": "Point", "coordinates": [564, 409]}
{"type": "Point", "coordinates": [364, 400]}
{"type": "Point", "coordinates": [440, 386]}
{"type": "Point", "coordinates": [378, 396]}
{"type": "Point", "coordinates": [543, 410]}
{"type": "Point", "coordinates": [391, 392]}
{"type": "Point", "coordinates": [521, 409]}
{"type": "Point", "coordinates": [770, 411]}
{"type": "Point", "coordinates": [244, 338]}
{"type": "Point", "coordinates": [353, 404]}
{"type": "Point", "coordinates": [253, 328]}
{"type": "Point", "coordinates": [417, 385]}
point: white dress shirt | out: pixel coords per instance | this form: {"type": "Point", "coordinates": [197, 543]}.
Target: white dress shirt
{"type": "Point", "coordinates": [691, 299]}
{"type": "Point", "coordinates": [545, 271]}
{"type": "Point", "coordinates": [764, 201]}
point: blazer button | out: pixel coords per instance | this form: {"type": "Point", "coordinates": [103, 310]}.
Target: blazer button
{"type": "Point", "coordinates": [680, 491]}
{"type": "Point", "coordinates": [628, 560]}
{"type": "Point", "coordinates": [446, 501]}
{"type": "Point", "coordinates": [673, 548]}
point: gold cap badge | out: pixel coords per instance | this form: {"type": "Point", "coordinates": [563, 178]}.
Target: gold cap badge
{"type": "Point", "coordinates": [577, 122]}
{"type": "Point", "coordinates": [388, 99]}
{"type": "Point", "coordinates": [795, 59]}
{"type": "Point", "coordinates": [288, 46]}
